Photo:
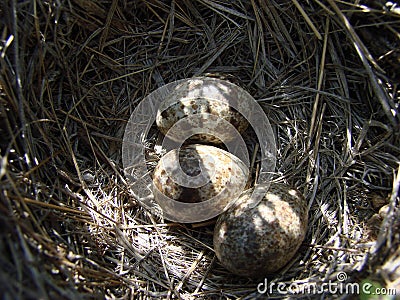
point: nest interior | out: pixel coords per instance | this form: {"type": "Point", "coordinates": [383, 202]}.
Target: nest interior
{"type": "Point", "coordinates": [72, 72]}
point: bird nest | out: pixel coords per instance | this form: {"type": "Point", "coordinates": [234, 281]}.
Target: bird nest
{"type": "Point", "coordinates": [326, 74]}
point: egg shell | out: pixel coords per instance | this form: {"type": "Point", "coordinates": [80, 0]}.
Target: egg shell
{"type": "Point", "coordinates": [198, 96]}
{"type": "Point", "coordinates": [257, 241]}
{"type": "Point", "coordinates": [223, 170]}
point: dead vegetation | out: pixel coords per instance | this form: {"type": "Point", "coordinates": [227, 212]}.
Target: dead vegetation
{"type": "Point", "coordinates": [72, 71]}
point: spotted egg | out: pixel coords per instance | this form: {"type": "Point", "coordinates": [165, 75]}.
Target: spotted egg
{"type": "Point", "coordinates": [217, 108]}
{"type": "Point", "coordinates": [197, 173]}
{"type": "Point", "coordinates": [255, 241]}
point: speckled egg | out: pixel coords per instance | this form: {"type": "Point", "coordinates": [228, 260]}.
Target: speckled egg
{"type": "Point", "coordinates": [212, 99]}
{"type": "Point", "coordinates": [257, 241]}
{"type": "Point", "coordinates": [207, 171]}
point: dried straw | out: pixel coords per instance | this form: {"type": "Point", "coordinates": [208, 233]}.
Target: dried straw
{"type": "Point", "coordinates": [326, 73]}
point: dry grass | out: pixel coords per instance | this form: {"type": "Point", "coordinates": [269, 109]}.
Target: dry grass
{"type": "Point", "coordinates": [72, 71]}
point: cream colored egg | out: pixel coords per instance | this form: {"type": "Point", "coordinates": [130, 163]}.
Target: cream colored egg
{"type": "Point", "coordinates": [219, 103]}
{"type": "Point", "coordinates": [209, 170]}
{"type": "Point", "coordinates": [255, 242]}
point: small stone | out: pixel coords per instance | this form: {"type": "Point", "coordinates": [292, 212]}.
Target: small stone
{"type": "Point", "coordinates": [373, 227]}
{"type": "Point", "coordinates": [383, 211]}
{"type": "Point", "coordinates": [378, 201]}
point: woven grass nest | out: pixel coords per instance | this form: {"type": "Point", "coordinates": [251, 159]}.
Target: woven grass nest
{"type": "Point", "coordinates": [326, 74]}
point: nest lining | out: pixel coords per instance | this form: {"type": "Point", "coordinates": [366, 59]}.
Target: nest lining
{"type": "Point", "coordinates": [72, 72]}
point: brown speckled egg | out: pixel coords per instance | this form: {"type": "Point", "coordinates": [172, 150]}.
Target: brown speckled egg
{"type": "Point", "coordinates": [218, 168]}
{"type": "Point", "coordinates": [205, 96]}
{"type": "Point", "coordinates": [257, 241]}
